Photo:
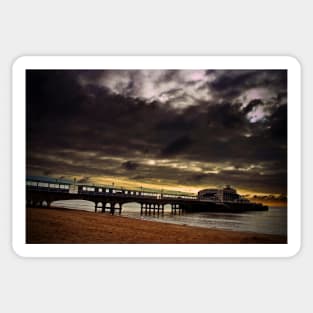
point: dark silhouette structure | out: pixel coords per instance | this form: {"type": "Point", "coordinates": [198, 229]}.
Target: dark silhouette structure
{"type": "Point", "coordinates": [40, 192]}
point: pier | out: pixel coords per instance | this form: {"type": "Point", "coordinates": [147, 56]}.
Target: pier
{"type": "Point", "coordinates": [106, 202]}
{"type": "Point", "coordinates": [111, 200]}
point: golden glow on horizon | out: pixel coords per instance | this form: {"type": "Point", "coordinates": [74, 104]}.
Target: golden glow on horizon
{"type": "Point", "coordinates": [123, 182]}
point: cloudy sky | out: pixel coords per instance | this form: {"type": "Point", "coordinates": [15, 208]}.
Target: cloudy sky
{"type": "Point", "coordinates": [171, 129]}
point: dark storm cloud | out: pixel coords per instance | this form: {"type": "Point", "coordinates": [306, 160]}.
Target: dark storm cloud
{"type": "Point", "coordinates": [279, 124]}
{"type": "Point", "coordinates": [52, 93]}
{"type": "Point", "coordinates": [129, 165]}
{"type": "Point", "coordinates": [226, 116]}
{"type": "Point", "coordinates": [94, 123]}
{"type": "Point", "coordinates": [252, 104]}
{"type": "Point", "coordinates": [231, 84]}
{"type": "Point", "coordinates": [178, 145]}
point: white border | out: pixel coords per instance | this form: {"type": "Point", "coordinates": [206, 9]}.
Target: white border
{"type": "Point", "coordinates": [156, 250]}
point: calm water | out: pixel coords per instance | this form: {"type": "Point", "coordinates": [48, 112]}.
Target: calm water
{"type": "Point", "coordinates": [273, 221]}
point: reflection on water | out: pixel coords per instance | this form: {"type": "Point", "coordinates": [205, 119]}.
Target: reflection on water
{"type": "Point", "coordinates": [273, 221]}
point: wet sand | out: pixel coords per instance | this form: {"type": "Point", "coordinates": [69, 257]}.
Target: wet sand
{"type": "Point", "coordinates": [55, 225]}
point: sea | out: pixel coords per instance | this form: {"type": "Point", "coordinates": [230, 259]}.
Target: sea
{"type": "Point", "coordinates": [273, 221]}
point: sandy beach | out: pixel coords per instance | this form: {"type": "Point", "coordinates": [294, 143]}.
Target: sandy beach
{"type": "Point", "coordinates": [55, 225]}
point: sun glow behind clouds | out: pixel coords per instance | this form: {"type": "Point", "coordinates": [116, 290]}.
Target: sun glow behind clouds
{"type": "Point", "coordinates": [256, 114]}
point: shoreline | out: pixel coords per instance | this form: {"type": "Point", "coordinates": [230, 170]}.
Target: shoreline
{"type": "Point", "coordinates": [60, 225]}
